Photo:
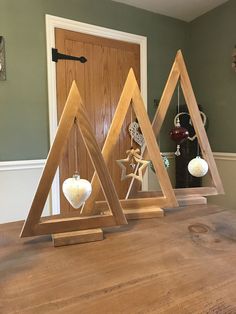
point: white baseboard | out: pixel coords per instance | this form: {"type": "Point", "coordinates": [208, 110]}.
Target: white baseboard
{"type": "Point", "coordinates": [19, 181]}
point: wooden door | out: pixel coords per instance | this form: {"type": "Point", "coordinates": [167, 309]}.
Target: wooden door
{"type": "Point", "coordinates": [100, 81]}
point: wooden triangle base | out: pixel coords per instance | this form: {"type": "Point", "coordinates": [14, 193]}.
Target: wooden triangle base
{"type": "Point", "coordinates": [136, 209]}
{"type": "Point", "coordinates": [191, 200]}
{"type": "Point", "coordinates": [185, 196]}
{"type": "Point", "coordinates": [144, 213]}
{"type": "Point", "coordinates": [77, 237]}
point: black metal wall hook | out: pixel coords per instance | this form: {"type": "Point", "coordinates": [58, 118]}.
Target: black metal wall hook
{"type": "Point", "coordinates": [61, 56]}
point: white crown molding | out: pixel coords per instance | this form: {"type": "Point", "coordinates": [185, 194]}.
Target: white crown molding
{"type": "Point", "coordinates": [21, 164]}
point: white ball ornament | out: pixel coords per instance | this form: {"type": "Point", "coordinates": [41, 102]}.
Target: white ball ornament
{"type": "Point", "coordinates": [198, 167]}
{"type": "Point", "coordinates": [76, 190]}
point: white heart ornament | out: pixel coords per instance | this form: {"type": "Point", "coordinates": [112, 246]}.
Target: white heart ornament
{"type": "Point", "coordinates": [76, 190]}
{"type": "Point", "coordinates": [197, 167]}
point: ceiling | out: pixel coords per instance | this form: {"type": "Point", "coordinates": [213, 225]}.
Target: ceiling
{"type": "Point", "coordinates": [186, 10]}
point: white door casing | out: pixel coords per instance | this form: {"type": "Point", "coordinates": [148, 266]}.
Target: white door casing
{"type": "Point", "coordinates": [53, 22]}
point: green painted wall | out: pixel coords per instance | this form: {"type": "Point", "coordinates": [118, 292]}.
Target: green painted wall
{"type": "Point", "coordinates": [211, 43]}
{"type": "Point", "coordinates": [24, 131]}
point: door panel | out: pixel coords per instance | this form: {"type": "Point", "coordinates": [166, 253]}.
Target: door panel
{"type": "Point", "coordinates": [100, 81]}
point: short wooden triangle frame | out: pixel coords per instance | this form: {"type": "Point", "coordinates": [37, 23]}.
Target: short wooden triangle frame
{"type": "Point", "coordinates": [131, 96]}
{"type": "Point", "coordinates": [33, 225]}
{"type": "Point", "coordinates": [179, 72]}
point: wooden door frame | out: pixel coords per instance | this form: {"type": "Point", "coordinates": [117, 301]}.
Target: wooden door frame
{"type": "Point", "coordinates": [53, 22]}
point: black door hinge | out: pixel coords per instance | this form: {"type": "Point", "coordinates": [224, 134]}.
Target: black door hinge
{"type": "Point", "coordinates": [60, 56]}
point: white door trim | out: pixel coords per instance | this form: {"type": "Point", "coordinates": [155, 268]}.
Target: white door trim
{"type": "Point", "coordinates": [53, 22]}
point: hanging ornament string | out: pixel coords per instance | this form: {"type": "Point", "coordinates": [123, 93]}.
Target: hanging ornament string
{"type": "Point", "coordinates": [134, 165]}
{"type": "Point", "coordinates": [132, 162]}
{"type": "Point", "coordinates": [177, 153]}
{"type": "Point", "coordinates": [76, 147]}
{"type": "Point", "coordinates": [178, 133]}
{"type": "Point", "coordinates": [178, 97]}
{"type": "Point", "coordinates": [198, 150]}
{"type": "Point", "coordinates": [178, 120]}
{"type": "Point", "coordinates": [76, 190]}
{"type": "Point", "coordinates": [131, 118]}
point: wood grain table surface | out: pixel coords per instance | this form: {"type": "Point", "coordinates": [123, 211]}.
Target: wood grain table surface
{"type": "Point", "coordinates": [182, 263]}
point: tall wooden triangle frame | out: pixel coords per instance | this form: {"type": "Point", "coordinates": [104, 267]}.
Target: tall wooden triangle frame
{"type": "Point", "coordinates": [179, 72]}
{"type": "Point", "coordinates": [131, 96]}
{"type": "Point", "coordinates": [74, 109]}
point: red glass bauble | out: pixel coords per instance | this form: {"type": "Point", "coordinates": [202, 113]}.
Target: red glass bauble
{"type": "Point", "coordinates": [179, 134]}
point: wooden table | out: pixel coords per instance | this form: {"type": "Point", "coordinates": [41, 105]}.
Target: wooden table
{"type": "Point", "coordinates": [183, 263]}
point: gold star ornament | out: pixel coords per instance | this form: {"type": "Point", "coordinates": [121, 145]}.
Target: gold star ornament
{"type": "Point", "coordinates": [135, 162]}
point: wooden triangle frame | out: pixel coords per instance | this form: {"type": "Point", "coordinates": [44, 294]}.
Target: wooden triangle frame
{"type": "Point", "coordinates": [179, 72]}
{"type": "Point", "coordinates": [131, 96]}
{"type": "Point", "coordinates": [74, 109]}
